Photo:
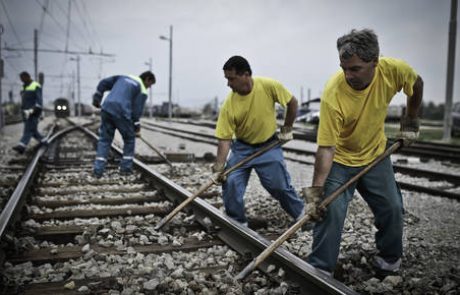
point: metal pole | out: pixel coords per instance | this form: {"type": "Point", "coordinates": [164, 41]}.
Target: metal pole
{"type": "Point", "coordinates": [450, 71]}
{"type": "Point", "coordinates": [72, 95]}
{"type": "Point", "coordinates": [170, 72]}
{"type": "Point", "coordinates": [78, 84]}
{"type": "Point", "coordinates": [150, 92]}
{"type": "Point", "coordinates": [35, 54]}
{"type": "Point", "coordinates": [2, 119]}
{"type": "Point", "coordinates": [301, 95]}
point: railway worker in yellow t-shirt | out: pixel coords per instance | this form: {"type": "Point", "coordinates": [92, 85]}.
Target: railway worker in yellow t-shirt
{"type": "Point", "coordinates": [350, 136]}
{"type": "Point", "coordinates": [246, 123]}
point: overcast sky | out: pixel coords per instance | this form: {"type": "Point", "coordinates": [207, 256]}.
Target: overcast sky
{"type": "Point", "coordinates": [292, 41]}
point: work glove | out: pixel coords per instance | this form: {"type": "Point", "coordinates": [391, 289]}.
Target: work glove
{"type": "Point", "coordinates": [409, 130]}
{"type": "Point", "coordinates": [217, 173]}
{"type": "Point", "coordinates": [36, 111]}
{"type": "Point", "coordinates": [137, 129]}
{"type": "Point", "coordinates": [285, 134]}
{"type": "Point", "coordinates": [97, 98]}
{"type": "Point", "coordinates": [313, 196]}
{"type": "Point", "coordinates": [27, 113]}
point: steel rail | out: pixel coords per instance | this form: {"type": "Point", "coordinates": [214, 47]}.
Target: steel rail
{"type": "Point", "coordinates": [17, 200]}
{"type": "Point", "coordinates": [242, 239]}
{"type": "Point", "coordinates": [419, 148]}
{"type": "Point", "coordinates": [433, 154]}
{"type": "Point", "coordinates": [454, 179]}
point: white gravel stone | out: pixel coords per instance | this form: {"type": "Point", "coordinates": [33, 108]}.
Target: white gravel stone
{"type": "Point", "coordinates": [85, 248]}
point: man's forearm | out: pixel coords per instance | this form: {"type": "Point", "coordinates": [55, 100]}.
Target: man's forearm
{"type": "Point", "coordinates": [414, 101]}
{"type": "Point", "coordinates": [223, 148]}
{"type": "Point", "coordinates": [323, 164]}
{"type": "Point", "coordinates": [291, 112]}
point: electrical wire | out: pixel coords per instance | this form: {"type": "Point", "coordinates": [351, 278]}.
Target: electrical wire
{"type": "Point", "coordinates": [83, 16]}
{"type": "Point", "coordinates": [47, 11]}
{"type": "Point", "coordinates": [42, 18]}
{"type": "Point", "coordinates": [85, 12]}
{"type": "Point", "coordinates": [11, 25]}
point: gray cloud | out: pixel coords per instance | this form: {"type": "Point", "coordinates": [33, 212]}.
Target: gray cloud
{"type": "Point", "coordinates": [292, 41]}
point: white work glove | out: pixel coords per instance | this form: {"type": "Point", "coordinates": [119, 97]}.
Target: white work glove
{"type": "Point", "coordinates": [27, 113]}
{"type": "Point", "coordinates": [313, 196]}
{"type": "Point", "coordinates": [217, 170]}
{"type": "Point", "coordinates": [285, 134]}
{"type": "Point", "coordinates": [409, 130]}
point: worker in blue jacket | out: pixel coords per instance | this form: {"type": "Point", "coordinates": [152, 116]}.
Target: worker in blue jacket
{"type": "Point", "coordinates": [121, 110]}
{"type": "Point", "coordinates": [31, 107]}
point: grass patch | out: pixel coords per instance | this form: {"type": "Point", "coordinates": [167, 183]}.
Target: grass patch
{"type": "Point", "coordinates": [427, 133]}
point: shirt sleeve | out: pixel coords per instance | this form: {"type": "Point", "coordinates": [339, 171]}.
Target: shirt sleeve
{"type": "Point", "coordinates": [138, 107]}
{"type": "Point", "coordinates": [225, 127]}
{"type": "Point", "coordinates": [106, 84]}
{"type": "Point", "coordinates": [405, 76]}
{"type": "Point", "coordinates": [280, 93]}
{"type": "Point", "coordinates": [329, 125]}
{"type": "Point", "coordinates": [39, 97]}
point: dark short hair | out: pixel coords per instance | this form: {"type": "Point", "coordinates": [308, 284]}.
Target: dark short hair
{"type": "Point", "coordinates": [239, 64]}
{"type": "Point", "coordinates": [363, 43]}
{"type": "Point", "coordinates": [25, 75]}
{"type": "Point", "coordinates": [148, 75]}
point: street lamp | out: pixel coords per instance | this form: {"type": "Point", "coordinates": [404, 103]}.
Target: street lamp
{"type": "Point", "coordinates": [170, 39]}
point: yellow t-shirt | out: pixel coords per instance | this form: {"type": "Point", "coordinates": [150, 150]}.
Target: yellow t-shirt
{"type": "Point", "coordinates": [252, 118]}
{"type": "Point", "coordinates": [352, 120]}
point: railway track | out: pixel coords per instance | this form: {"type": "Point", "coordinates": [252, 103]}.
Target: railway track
{"type": "Point", "coordinates": [443, 184]}
{"type": "Point", "coordinates": [79, 234]}
{"type": "Point", "coordinates": [424, 150]}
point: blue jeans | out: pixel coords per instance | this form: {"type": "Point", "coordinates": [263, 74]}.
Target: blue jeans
{"type": "Point", "coordinates": [272, 173]}
{"type": "Point", "coordinates": [31, 130]}
{"type": "Point", "coordinates": [379, 189]}
{"type": "Point", "coordinates": [106, 132]}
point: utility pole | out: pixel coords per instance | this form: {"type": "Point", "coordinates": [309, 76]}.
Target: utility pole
{"type": "Point", "coordinates": [2, 119]}
{"type": "Point", "coordinates": [35, 54]}
{"type": "Point", "coordinates": [450, 71]}
{"type": "Point", "coordinates": [170, 39]}
{"type": "Point", "coordinates": [35, 51]}
{"type": "Point", "coordinates": [78, 109]}
{"type": "Point", "coordinates": [301, 95]}
{"type": "Point", "coordinates": [149, 63]}
{"type": "Point", "coordinates": [78, 85]}
{"type": "Point", "coordinates": [72, 93]}
{"type": "Point", "coordinates": [170, 72]}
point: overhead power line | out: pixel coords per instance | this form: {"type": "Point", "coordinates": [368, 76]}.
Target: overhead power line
{"type": "Point", "coordinates": [89, 52]}
{"type": "Point", "coordinates": [45, 10]}
{"type": "Point", "coordinates": [42, 18]}
{"type": "Point", "coordinates": [11, 24]}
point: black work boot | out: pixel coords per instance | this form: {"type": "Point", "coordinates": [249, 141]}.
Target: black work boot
{"type": "Point", "coordinates": [19, 148]}
{"type": "Point", "coordinates": [384, 268]}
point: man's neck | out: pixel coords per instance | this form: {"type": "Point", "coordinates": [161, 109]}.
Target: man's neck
{"type": "Point", "coordinates": [250, 85]}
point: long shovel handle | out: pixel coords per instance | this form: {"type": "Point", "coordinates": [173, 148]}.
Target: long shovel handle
{"type": "Point", "coordinates": [250, 157]}
{"type": "Point", "coordinates": [183, 204]}
{"type": "Point", "coordinates": [212, 181]}
{"type": "Point", "coordinates": [157, 151]}
{"type": "Point", "coordinates": [270, 249]}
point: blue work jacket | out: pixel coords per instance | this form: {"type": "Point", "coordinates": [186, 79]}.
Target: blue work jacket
{"type": "Point", "coordinates": [126, 98]}
{"type": "Point", "coordinates": [31, 96]}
